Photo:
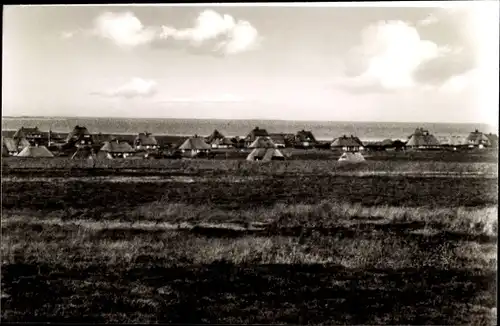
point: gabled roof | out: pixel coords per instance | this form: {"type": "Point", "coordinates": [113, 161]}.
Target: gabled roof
{"type": "Point", "coordinates": [278, 138]}
{"type": "Point", "coordinates": [194, 143]}
{"type": "Point", "coordinates": [116, 146]}
{"type": "Point", "coordinates": [223, 141]}
{"type": "Point", "coordinates": [215, 135]}
{"type": "Point", "coordinates": [146, 139]}
{"type": "Point", "coordinates": [265, 154]}
{"type": "Point", "coordinates": [257, 132]}
{"type": "Point", "coordinates": [10, 144]}
{"type": "Point", "coordinates": [345, 141]}
{"type": "Point", "coordinates": [478, 137]}
{"type": "Point", "coordinates": [77, 133]}
{"type": "Point", "coordinates": [422, 137]}
{"type": "Point", "coordinates": [305, 136]}
{"type": "Point", "coordinates": [23, 131]}
{"type": "Point", "coordinates": [262, 142]}
{"type": "Point", "coordinates": [35, 151]}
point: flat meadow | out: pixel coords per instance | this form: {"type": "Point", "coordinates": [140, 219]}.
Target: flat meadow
{"type": "Point", "coordinates": [388, 241]}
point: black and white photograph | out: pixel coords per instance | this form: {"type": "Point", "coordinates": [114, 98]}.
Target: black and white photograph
{"type": "Point", "coordinates": [330, 163]}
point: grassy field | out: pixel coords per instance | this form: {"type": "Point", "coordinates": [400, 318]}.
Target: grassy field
{"type": "Point", "coordinates": [208, 241]}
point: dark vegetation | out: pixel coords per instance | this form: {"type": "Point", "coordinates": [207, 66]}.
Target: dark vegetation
{"type": "Point", "coordinates": [288, 242]}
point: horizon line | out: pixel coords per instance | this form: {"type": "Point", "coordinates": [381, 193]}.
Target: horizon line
{"type": "Point", "coordinates": [242, 119]}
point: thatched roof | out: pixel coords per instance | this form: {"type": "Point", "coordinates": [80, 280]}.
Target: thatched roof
{"type": "Point", "coordinates": [23, 131]}
{"type": "Point", "coordinates": [476, 137]}
{"type": "Point", "coordinates": [422, 137]}
{"type": "Point", "coordinates": [278, 139]}
{"type": "Point", "coordinates": [265, 154]}
{"type": "Point", "coordinates": [257, 132]}
{"type": "Point", "coordinates": [193, 143]}
{"type": "Point", "coordinates": [116, 146]}
{"type": "Point", "coordinates": [5, 150]}
{"type": "Point", "coordinates": [82, 153]}
{"type": "Point", "coordinates": [223, 141]}
{"type": "Point", "coordinates": [145, 139]}
{"type": "Point", "coordinates": [10, 144]}
{"type": "Point", "coordinates": [345, 141]}
{"type": "Point", "coordinates": [305, 136]}
{"type": "Point", "coordinates": [35, 151]}
{"type": "Point", "coordinates": [351, 157]}
{"type": "Point", "coordinates": [262, 142]}
{"type": "Point", "coordinates": [13, 145]}
{"type": "Point", "coordinates": [78, 133]}
{"type": "Point", "coordinates": [216, 134]}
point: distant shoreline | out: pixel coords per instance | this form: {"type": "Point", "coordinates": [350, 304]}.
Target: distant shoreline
{"type": "Point", "coordinates": [252, 120]}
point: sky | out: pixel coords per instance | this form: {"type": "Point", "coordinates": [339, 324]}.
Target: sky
{"type": "Point", "coordinates": [368, 62]}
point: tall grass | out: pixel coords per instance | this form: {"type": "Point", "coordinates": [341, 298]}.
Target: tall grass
{"type": "Point", "coordinates": [243, 167]}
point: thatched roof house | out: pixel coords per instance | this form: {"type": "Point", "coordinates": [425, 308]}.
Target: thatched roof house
{"type": "Point", "coordinates": [216, 134]}
{"type": "Point", "coordinates": [33, 135]}
{"type": "Point", "coordinates": [262, 142]}
{"type": "Point", "coordinates": [28, 133]}
{"type": "Point", "coordinates": [256, 132]}
{"type": "Point", "coordinates": [493, 139]}
{"type": "Point", "coordinates": [479, 139]}
{"type": "Point", "coordinates": [79, 136]}
{"type": "Point", "coordinates": [278, 139]}
{"type": "Point", "coordinates": [218, 140]}
{"type": "Point", "coordinates": [221, 143]}
{"type": "Point", "coordinates": [265, 154]}
{"type": "Point", "coordinates": [35, 151]}
{"type": "Point", "coordinates": [194, 145]}
{"type": "Point", "coordinates": [351, 143]}
{"type": "Point", "coordinates": [145, 141]}
{"type": "Point", "coordinates": [304, 138]}
{"type": "Point", "coordinates": [421, 138]}
{"type": "Point", "coordinates": [116, 148]}
{"type": "Point", "coordinates": [12, 146]}
{"type": "Point", "coordinates": [83, 153]}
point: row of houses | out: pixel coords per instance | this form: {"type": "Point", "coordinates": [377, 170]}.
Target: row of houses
{"type": "Point", "coordinates": [34, 141]}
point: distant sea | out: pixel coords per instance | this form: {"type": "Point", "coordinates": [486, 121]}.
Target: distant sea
{"type": "Point", "coordinates": [322, 130]}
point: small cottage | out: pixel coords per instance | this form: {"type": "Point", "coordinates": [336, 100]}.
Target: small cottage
{"type": "Point", "coordinates": [478, 139]}
{"type": "Point", "coordinates": [218, 140]}
{"type": "Point", "coordinates": [146, 141]}
{"type": "Point", "coordinates": [256, 132]}
{"type": "Point", "coordinates": [13, 147]}
{"type": "Point", "coordinates": [265, 155]}
{"type": "Point", "coordinates": [116, 149]}
{"type": "Point", "coordinates": [422, 139]}
{"type": "Point", "coordinates": [304, 139]}
{"type": "Point", "coordinates": [262, 142]}
{"type": "Point", "coordinates": [279, 140]}
{"type": "Point", "coordinates": [33, 135]}
{"type": "Point", "coordinates": [79, 137]}
{"type": "Point", "coordinates": [194, 146]}
{"type": "Point", "coordinates": [347, 144]}
{"type": "Point", "coordinates": [35, 151]}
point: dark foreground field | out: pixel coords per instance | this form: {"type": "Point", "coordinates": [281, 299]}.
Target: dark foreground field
{"type": "Point", "coordinates": [270, 245]}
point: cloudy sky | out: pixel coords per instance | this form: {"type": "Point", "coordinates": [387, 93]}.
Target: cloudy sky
{"type": "Point", "coordinates": [425, 64]}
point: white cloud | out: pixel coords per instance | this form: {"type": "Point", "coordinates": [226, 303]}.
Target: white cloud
{"type": "Point", "coordinates": [392, 50]}
{"type": "Point", "coordinates": [136, 87]}
{"type": "Point", "coordinates": [226, 35]}
{"type": "Point", "coordinates": [123, 28]}
{"type": "Point", "coordinates": [211, 33]}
